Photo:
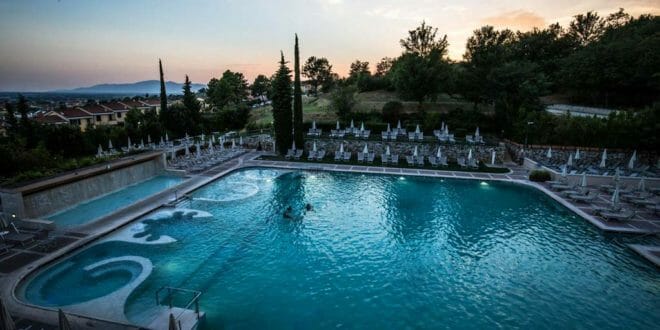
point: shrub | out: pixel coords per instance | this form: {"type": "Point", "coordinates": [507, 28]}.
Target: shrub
{"type": "Point", "coordinates": [392, 111]}
{"type": "Point", "coordinates": [539, 176]}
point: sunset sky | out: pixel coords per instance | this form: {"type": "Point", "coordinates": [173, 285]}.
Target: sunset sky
{"type": "Point", "coordinates": [50, 44]}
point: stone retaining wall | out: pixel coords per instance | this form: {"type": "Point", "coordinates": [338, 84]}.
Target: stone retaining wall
{"type": "Point", "coordinates": [58, 198]}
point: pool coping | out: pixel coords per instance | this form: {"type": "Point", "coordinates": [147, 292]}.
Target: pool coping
{"type": "Point", "coordinates": [123, 217]}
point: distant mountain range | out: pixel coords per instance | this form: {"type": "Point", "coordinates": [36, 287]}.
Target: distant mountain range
{"type": "Point", "coordinates": [137, 88]}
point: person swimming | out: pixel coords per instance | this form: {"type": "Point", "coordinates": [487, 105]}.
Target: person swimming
{"type": "Point", "coordinates": [308, 207]}
{"type": "Point", "coordinates": [287, 212]}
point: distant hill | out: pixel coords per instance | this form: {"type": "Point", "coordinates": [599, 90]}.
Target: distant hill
{"type": "Point", "coordinates": [137, 88]}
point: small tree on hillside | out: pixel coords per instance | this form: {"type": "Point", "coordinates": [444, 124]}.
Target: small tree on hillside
{"type": "Point", "coordinates": [318, 71]}
{"type": "Point", "coordinates": [342, 101]}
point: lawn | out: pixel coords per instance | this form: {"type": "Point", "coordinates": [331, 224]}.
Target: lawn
{"type": "Point", "coordinates": [318, 108]}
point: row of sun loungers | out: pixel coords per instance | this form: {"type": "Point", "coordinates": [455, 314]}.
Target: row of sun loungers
{"type": "Point", "coordinates": [414, 136]}
{"type": "Point", "coordinates": [315, 132]}
{"type": "Point", "coordinates": [612, 212]}
{"type": "Point", "coordinates": [208, 158]}
{"type": "Point", "coordinates": [474, 139]}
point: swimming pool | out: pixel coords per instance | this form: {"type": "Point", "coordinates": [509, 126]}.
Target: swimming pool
{"type": "Point", "coordinates": [100, 206]}
{"type": "Point", "coordinates": [375, 252]}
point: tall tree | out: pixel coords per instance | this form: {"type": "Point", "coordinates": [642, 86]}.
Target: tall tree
{"type": "Point", "coordinates": [25, 124]}
{"type": "Point", "coordinates": [163, 93]}
{"type": "Point", "coordinates": [298, 135]}
{"type": "Point", "coordinates": [422, 41]}
{"type": "Point", "coordinates": [384, 66]}
{"type": "Point", "coordinates": [418, 78]}
{"type": "Point", "coordinates": [282, 115]}
{"type": "Point", "coordinates": [358, 68]}
{"type": "Point", "coordinates": [10, 119]}
{"type": "Point", "coordinates": [260, 87]}
{"type": "Point", "coordinates": [486, 50]}
{"type": "Point", "coordinates": [193, 107]}
{"type": "Point", "coordinates": [319, 72]}
{"type": "Point", "coordinates": [231, 88]}
{"type": "Point", "coordinates": [586, 28]}
{"type": "Point", "coordinates": [419, 72]}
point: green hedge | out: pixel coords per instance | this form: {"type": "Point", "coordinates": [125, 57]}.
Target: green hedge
{"type": "Point", "coordinates": [539, 176]}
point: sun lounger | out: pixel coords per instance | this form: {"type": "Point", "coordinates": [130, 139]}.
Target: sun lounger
{"type": "Point", "coordinates": [461, 162]}
{"type": "Point", "coordinates": [311, 155]}
{"type": "Point", "coordinates": [290, 154]}
{"type": "Point", "coordinates": [618, 216]}
{"type": "Point", "coordinates": [561, 187]}
{"type": "Point", "coordinates": [298, 154]}
{"type": "Point", "coordinates": [360, 157]}
{"type": "Point", "coordinates": [19, 238]}
{"type": "Point", "coordinates": [347, 156]}
{"type": "Point", "coordinates": [419, 161]}
{"type": "Point", "coordinates": [585, 198]}
{"type": "Point", "coordinates": [338, 156]}
{"type": "Point", "coordinates": [433, 161]}
{"type": "Point", "coordinates": [641, 201]}
{"type": "Point", "coordinates": [394, 159]}
{"type": "Point", "coordinates": [610, 208]}
{"type": "Point", "coordinates": [384, 159]}
{"type": "Point", "coordinates": [320, 155]}
{"type": "Point", "coordinates": [410, 160]}
{"type": "Point", "coordinates": [4, 248]}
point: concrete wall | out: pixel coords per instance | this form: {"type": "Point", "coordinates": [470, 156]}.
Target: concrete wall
{"type": "Point", "coordinates": [61, 197]}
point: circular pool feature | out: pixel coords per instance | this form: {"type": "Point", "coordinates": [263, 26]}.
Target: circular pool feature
{"type": "Point", "coordinates": [59, 286]}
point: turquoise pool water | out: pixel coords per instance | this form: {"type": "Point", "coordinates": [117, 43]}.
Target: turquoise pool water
{"type": "Point", "coordinates": [98, 207]}
{"type": "Point", "coordinates": [375, 252]}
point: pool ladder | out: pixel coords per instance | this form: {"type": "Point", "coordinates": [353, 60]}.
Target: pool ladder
{"type": "Point", "coordinates": [194, 300]}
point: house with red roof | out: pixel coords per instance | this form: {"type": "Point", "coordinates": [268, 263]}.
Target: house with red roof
{"type": "Point", "coordinates": [72, 116]}
{"type": "Point", "coordinates": [136, 105]}
{"type": "Point", "coordinates": [152, 104]}
{"type": "Point", "coordinates": [118, 108]}
{"type": "Point", "coordinates": [102, 115]}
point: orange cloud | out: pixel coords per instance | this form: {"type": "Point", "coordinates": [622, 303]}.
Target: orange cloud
{"type": "Point", "coordinates": [516, 20]}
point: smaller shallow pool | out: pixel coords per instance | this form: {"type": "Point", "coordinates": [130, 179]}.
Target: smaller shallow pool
{"type": "Point", "coordinates": [100, 206]}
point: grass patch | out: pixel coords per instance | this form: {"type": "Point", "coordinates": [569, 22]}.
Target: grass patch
{"type": "Point", "coordinates": [318, 108]}
{"type": "Point", "coordinates": [452, 166]}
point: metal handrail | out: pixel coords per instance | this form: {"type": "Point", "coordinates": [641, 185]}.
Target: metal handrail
{"type": "Point", "coordinates": [193, 300]}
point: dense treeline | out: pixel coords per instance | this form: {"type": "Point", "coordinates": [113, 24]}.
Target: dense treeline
{"type": "Point", "coordinates": [607, 61]}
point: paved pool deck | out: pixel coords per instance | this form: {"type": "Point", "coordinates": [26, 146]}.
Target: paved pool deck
{"type": "Point", "coordinates": [88, 233]}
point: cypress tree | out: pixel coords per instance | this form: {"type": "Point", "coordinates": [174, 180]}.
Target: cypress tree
{"type": "Point", "coordinates": [10, 118]}
{"type": "Point", "coordinates": [25, 123]}
{"type": "Point", "coordinates": [193, 116]}
{"type": "Point", "coordinates": [282, 123]}
{"type": "Point", "coordinates": [298, 134]}
{"type": "Point", "coordinates": [163, 93]}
